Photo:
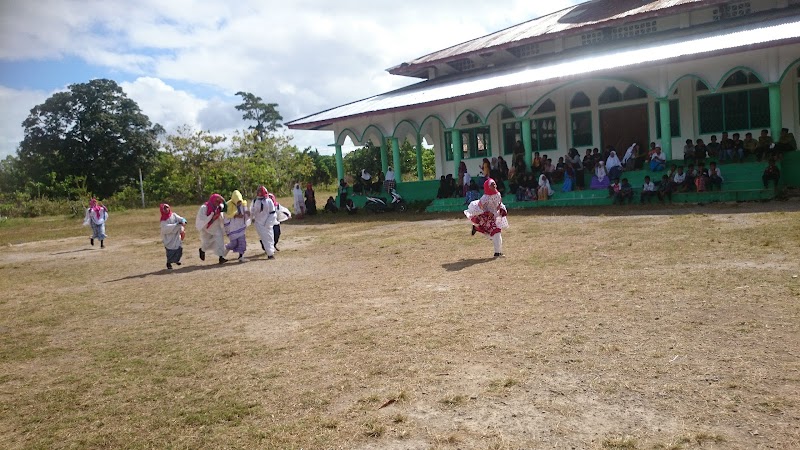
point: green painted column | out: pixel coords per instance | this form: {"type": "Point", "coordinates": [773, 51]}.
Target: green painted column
{"type": "Point", "coordinates": [775, 113]}
{"type": "Point", "coordinates": [455, 138]}
{"type": "Point", "coordinates": [339, 163]}
{"type": "Point", "coordinates": [526, 142]}
{"type": "Point", "coordinates": [666, 127]}
{"type": "Point", "coordinates": [384, 161]}
{"type": "Point", "coordinates": [398, 174]}
{"type": "Point", "coordinates": [420, 173]}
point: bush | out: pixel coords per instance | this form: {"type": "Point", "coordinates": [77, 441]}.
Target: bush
{"type": "Point", "coordinates": [24, 206]}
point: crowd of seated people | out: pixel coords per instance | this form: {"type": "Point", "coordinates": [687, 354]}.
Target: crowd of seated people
{"type": "Point", "coordinates": [700, 172]}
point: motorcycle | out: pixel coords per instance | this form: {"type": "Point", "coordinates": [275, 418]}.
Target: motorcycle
{"type": "Point", "coordinates": [379, 204]}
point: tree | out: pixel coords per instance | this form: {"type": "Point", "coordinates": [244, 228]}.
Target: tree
{"type": "Point", "coordinates": [324, 167]}
{"type": "Point", "coordinates": [264, 114]}
{"type": "Point", "coordinates": [94, 131]}
{"type": "Point", "coordinates": [367, 157]}
{"type": "Point", "coordinates": [197, 152]}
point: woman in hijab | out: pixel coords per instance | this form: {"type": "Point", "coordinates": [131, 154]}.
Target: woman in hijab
{"type": "Point", "coordinates": [263, 214]}
{"type": "Point", "coordinates": [210, 224]}
{"type": "Point", "coordinates": [343, 193]}
{"type": "Point", "coordinates": [236, 222]}
{"type": "Point", "coordinates": [488, 215]}
{"type": "Point", "coordinates": [96, 216]}
{"type": "Point", "coordinates": [600, 178]}
{"type": "Point", "coordinates": [569, 178]}
{"type": "Point", "coordinates": [462, 186]}
{"type": "Point", "coordinates": [299, 204]}
{"type": "Point", "coordinates": [628, 161]}
{"type": "Point", "coordinates": [613, 165]}
{"type": "Point", "coordinates": [311, 200]}
{"type": "Point", "coordinates": [545, 191]}
{"type": "Point", "coordinates": [172, 234]}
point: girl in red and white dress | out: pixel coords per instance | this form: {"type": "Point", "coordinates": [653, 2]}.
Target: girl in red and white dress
{"type": "Point", "coordinates": [488, 215]}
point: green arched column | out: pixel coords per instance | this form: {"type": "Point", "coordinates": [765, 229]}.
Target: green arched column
{"type": "Point", "coordinates": [526, 142]}
{"type": "Point", "coordinates": [396, 160]}
{"type": "Point", "coordinates": [666, 127]}
{"type": "Point", "coordinates": [775, 113]}
{"type": "Point", "coordinates": [455, 138]}
{"type": "Point", "coordinates": [420, 174]}
{"type": "Point", "coordinates": [339, 163]}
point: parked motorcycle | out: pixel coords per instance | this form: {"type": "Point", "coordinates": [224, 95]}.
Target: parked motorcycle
{"type": "Point", "coordinates": [380, 204]}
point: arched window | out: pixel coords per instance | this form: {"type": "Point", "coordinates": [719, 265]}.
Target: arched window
{"type": "Point", "coordinates": [506, 114]}
{"type": "Point", "coordinates": [634, 93]}
{"type": "Point", "coordinates": [580, 100]}
{"type": "Point", "coordinates": [740, 78]}
{"type": "Point", "coordinates": [700, 86]}
{"type": "Point", "coordinates": [547, 106]}
{"type": "Point", "coordinates": [610, 95]}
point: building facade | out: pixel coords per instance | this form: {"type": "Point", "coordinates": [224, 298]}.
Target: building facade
{"type": "Point", "coordinates": [597, 74]}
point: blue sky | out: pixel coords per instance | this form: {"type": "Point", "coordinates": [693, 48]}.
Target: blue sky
{"type": "Point", "coordinates": [182, 61]}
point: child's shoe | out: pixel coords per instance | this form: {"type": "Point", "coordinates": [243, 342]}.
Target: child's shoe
{"type": "Point", "coordinates": [222, 260]}
{"type": "Point", "coordinates": [169, 266]}
{"type": "Point", "coordinates": [91, 241]}
{"type": "Point", "coordinates": [202, 254]}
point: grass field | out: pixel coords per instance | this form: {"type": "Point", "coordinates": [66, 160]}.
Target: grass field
{"type": "Point", "coordinates": [624, 328]}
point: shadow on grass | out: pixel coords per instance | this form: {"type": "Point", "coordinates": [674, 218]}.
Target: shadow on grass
{"type": "Point", "coordinates": [464, 264]}
{"type": "Point", "coordinates": [178, 270]}
{"type": "Point", "coordinates": [72, 251]}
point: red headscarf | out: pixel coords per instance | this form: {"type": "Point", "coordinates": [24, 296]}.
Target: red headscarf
{"type": "Point", "coordinates": [261, 192]}
{"type": "Point", "coordinates": [488, 189]}
{"type": "Point", "coordinates": [212, 203]}
{"type": "Point", "coordinates": [274, 200]}
{"type": "Point", "coordinates": [166, 211]}
{"type": "Point", "coordinates": [95, 206]}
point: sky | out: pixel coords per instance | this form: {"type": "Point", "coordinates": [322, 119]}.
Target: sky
{"type": "Point", "coordinates": [182, 61]}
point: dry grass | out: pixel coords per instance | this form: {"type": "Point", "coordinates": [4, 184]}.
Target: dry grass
{"type": "Point", "coordinates": [636, 329]}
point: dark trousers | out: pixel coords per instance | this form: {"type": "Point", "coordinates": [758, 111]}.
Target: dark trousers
{"type": "Point", "coordinates": [342, 199]}
{"type": "Point", "coordinates": [714, 181]}
{"type": "Point", "coordinates": [770, 176]}
{"type": "Point", "coordinates": [647, 195]}
{"type": "Point", "coordinates": [276, 230]}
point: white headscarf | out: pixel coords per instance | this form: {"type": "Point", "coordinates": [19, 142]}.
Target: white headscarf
{"type": "Point", "coordinates": [545, 183]}
{"type": "Point", "coordinates": [613, 161]}
{"type": "Point", "coordinates": [628, 154]}
{"type": "Point", "coordinates": [600, 171]}
{"type": "Point", "coordinates": [390, 174]}
{"type": "Point", "coordinates": [365, 175]}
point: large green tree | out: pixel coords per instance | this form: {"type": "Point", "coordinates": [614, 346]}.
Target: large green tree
{"type": "Point", "coordinates": [265, 115]}
{"type": "Point", "coordinates": [94, 131]}
{"type": "Point", "coordinates": [196, 152]}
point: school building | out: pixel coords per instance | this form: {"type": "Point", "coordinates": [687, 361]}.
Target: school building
{"type": "Point", "coordinates": [596, 74]}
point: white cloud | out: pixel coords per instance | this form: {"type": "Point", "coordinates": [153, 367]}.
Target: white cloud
{"type": "Point", "coordinates": [164, 104]}
{"type": "Point", "coordinates": [15, 105]}
{"type": "Point", "coordinates": [305, 55]}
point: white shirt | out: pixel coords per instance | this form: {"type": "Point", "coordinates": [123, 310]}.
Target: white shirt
{"type": "Point", "coordinates": [679, 177]}
{"type": "Point", "coordinates": [717, 172]}
{"type": "Point", "coordinates": [649, 187]}
{"type": "Point", "coordinates": [171, 231]}
{"type": "Point", "coordinates": [659, 157]}
{"type": "Point", "coordinates": [390, 175]}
